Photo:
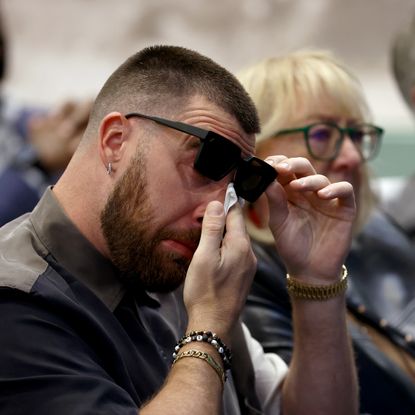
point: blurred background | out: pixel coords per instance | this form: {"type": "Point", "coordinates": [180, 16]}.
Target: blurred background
{"type": "Point", "coordinates": [67, 48]}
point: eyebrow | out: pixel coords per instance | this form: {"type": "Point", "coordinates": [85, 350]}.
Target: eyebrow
{"type": "Point", "coordinates": [331, 119]}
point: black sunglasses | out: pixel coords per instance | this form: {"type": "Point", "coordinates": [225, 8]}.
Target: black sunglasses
{"type": "Point", "coordinates": [217, 157]}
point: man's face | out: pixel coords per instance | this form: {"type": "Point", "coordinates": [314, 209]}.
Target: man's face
{"type": "Point", "coordinates": [133, 240]}
{"type": "Point", "coordinates": [152, 219]}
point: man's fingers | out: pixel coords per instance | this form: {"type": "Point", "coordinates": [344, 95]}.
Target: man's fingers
{"type": "Point", "coordinates": [212, 227]}
{"type": "Point", "coordinates": [235, 222]}
{"type": "Point", "coordinates": [310, 183]}
{"type": "Point", "coordinates": [290, 169]}
{"type": "Point", "coordinates": [341, 190]}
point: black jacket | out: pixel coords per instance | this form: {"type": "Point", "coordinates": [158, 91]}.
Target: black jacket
{"type": "Point", "coordinates": [381, 289]}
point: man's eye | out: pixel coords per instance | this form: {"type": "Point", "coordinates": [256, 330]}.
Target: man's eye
{"type": "Point", "coordinates": [193, 143]}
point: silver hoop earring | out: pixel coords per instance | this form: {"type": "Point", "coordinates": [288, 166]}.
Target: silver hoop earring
{"type": "Point", "coordinates": [109, 168]}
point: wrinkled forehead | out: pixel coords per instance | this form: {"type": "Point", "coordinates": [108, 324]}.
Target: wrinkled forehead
{"type": "Point", "coordinates": [201, 112]}
{"type": "Point", "coordinates": [228, 127]}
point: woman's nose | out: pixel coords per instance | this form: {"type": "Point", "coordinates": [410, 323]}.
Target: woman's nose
{"type": "Point", "coordinates": [349, 153]}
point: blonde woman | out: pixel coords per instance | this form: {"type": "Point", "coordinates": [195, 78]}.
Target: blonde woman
{"type": "Point", "coordinates": [311, 105]}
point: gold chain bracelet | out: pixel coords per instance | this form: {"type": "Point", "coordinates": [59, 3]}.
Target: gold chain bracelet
{"type": "Point", "coordinates": [307, 291]}
{"type": "Point", "coordinates": [206, 357]}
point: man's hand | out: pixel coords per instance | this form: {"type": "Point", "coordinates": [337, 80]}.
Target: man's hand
{"type": "Point", "coordinates": [221, 271]}
{"type": "Point", "coordinates": [311, 219]}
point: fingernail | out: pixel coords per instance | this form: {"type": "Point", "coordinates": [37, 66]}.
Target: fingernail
{"type": "Point", "coordinates": [269, 161]}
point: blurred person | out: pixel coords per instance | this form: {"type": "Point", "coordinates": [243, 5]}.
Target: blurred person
{"type": "Point", "coordinates": [35, 145]}
{"type": "Point", "coordinates": [95, 280]}
{"type": "Point", "coordinates": [311, 105]}
{"type": "Point", "coordinates": [402, 57]}
{"type": "Point", "coordinates": [11, 137]}
{"type": "Point", "coordinates": [48, 140]}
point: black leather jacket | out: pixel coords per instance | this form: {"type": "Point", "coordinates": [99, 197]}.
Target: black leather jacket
{"type": "Point", "coordinates": [381, 290]}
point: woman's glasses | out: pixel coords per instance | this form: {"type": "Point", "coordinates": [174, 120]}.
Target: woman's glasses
{"type": "Point", "coordinates": [324, 140]}
{"type": "Point", "coordinates": [217, 157]}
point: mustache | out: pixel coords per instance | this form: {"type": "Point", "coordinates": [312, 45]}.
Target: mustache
{"type": "Point", "coordinates": [190, 235]}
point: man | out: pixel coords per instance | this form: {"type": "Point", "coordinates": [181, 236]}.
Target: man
{"type": "Point", "coordinates": [91, 279]}
{"type": "Point", "coordinates": [403, 64]}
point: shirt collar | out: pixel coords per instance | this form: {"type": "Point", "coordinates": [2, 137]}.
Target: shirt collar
{"type": "Point", "coordinates": [74, 252]}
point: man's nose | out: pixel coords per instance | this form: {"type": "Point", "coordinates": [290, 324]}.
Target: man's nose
{"type": "Point", "coordinates": [215, 191]}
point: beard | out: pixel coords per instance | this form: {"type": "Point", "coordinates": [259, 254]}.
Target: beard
{"type": "Point", "coordinates": [134, 243]}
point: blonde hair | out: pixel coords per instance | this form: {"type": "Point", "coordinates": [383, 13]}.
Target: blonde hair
{"type": "Point", "coordinates": [402, 58]}
{"type": "Point", "coordinates": [280, 85]}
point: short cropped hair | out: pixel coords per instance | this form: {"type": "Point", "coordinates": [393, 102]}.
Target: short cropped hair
{"type": "Point", "coordinates": [403, 60]}
{"type": "Point", "coordinates": [280, 85]}
{"type": "Point", "coordinates": [160, 78]}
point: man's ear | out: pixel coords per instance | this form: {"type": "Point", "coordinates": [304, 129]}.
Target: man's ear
{"type": "Point", "coordinates": [114, 131]}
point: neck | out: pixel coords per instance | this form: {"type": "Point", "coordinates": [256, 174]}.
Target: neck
{"type": "Point", "coordinates": [81, 193]}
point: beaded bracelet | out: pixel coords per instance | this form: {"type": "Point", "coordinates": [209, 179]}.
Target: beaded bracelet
{"type": "Point", "coordinates": [207, 358]}
{"type": "Point", "coordinates": [207, 337]}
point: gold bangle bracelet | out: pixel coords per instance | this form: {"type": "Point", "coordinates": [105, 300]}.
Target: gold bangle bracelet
{"type": "Point", "coordinates": [206, 357]}
{"type": "Point", "coordinates": [306, 291]}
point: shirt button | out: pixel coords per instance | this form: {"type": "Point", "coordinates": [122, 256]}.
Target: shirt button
{"type": "Point", "coordinates": [361, 308]}
{"type": "Point", "coordinates": [383, 322]}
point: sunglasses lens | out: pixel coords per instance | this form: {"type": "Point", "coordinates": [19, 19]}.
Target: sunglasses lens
{"type": "Point", "coordinates": [217, 157]}
{"type": "Point", "coordinates": [252, 177]}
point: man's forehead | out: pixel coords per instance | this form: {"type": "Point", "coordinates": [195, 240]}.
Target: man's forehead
{"type": "Point", "coordinates": [207, 115]}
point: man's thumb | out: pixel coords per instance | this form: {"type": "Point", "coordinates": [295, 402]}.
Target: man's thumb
{"type": "Point", "coordinates": [213, 226]}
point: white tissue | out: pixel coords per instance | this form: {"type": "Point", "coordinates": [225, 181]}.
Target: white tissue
{"type": "Point", "coordinates": [231, 198]}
